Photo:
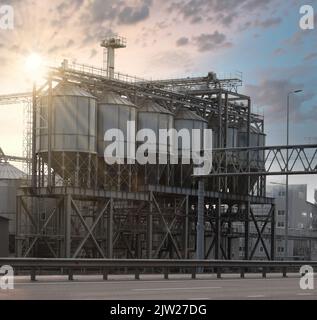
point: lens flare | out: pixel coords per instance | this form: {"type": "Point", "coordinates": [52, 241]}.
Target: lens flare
{"type": "Point", "coordinates": [34, 66]}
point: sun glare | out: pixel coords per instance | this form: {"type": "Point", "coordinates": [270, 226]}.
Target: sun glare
{"type": "Point", "coordinates": [34, 66]}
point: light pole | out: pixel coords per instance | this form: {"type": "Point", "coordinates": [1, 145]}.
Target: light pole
{"type": "Point", "coordinates": [287, 178]}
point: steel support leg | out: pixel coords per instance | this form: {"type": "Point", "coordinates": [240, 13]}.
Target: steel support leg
{"type": "Point", "coordinates": [149, 231]}
{"type": "Point", "coordinates": [68, 225]}
{"type": "Point", "coordinates": [110, 232]}
{"type": "Point", "coordinates": [200, 221]}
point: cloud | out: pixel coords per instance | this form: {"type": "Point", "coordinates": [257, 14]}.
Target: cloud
{"type": "Point", "coordinates": [268, 22]}
{"type": "Point", "coordinates": [311, 56]}
{"type": "Point", "coordinates": [272, 95]}
{"type": "Point", "coordinates": [212, 41]}
{"type": "Point", "coordinates": [183, 41]}
{"type": "Point", "coordinates": [130, 15]}
{"type": "Point", "coordinates": [171, 61]}
{"type": "Point", "coordinates": [224, 11]}
{"type": "Point", "coordinates": [279, 51]}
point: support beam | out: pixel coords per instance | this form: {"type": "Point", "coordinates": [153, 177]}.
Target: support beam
{"type": "Point", "coordinates": [273, 232]}
{"type": "Point", "coordinates": [49, 139]}
{"type": "Point", "coordinates": [110, 231]}
{"type": "Point", "coordinates": [200, 233]}
{"type": "Point", "coordinates": [149, 239]}
{"type": "Point", "coordinates": [218, 230]}
{"type": "Point", "coordinates": [68, 225]}
{"type": "Point", "coordinates": [34, 158]}
{"type": "Point", "coordinates": [186, 229]}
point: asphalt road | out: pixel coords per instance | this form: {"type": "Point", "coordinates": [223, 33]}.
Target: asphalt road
{"type": "Point", "coordinates": [151, 287]}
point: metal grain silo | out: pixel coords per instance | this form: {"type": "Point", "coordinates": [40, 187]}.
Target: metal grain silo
{"type": "Point", "coordinates": [114, 112]}
{"type": "Point", "coordinates": [232, 141]}
{"type": "Point", "coordinates": [73, 135]}
{"type": "Point", "coordinates": [257, 139]}
{"type": "Point", "coordinates": [73, 120]}
{"type": "Point", "coordinates": [257, 158]}
{"type": "Point", "coordinates": [189, 120]}
{"type": "Point", "coordinates": [155, 117]}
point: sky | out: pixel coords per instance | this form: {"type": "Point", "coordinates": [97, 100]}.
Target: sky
{"type": "Point", "coordinates": [174, 38]}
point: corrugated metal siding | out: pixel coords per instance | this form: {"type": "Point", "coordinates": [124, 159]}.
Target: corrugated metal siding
{"type": "Point", "coordinates": [74, 121]}
{"type": "Point", "coordinates": [113, 113]}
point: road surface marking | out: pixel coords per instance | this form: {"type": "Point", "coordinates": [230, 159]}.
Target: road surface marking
{"type": "Point", "coordinates": [166, 289]}
{"type": "Point", "coordinates": [256, 296]}
{"type": "Point", "coordinates": [304, 294]}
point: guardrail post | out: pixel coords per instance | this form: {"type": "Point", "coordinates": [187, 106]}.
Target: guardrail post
{"type": "Point", "coordinates": [218, 270]}
{"type": "Point", "coordinates": [194, 273]}
{"type": "Point", "coordinates": [242, 274]}
{"type": "Point", "coordinates": [137, 274]}
{"type": "Point", "coordinates": [70, 275]}
{"type": "Point", "coordinates": [264, 272]}
{"type": "Point", "coordinates": [33, 274]}
{"type": "Point", "coordinates": [166, 273]}
{"type": "Point", "coordinates": [105, 274]}
{"type": "Point", "coordinates": [284, 272]}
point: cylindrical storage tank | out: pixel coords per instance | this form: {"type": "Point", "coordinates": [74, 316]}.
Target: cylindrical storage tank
{"type": "Point", "coordinates": [114, 112]}
{"type": "Point", "coordinates": [232, 137]}
{"type": "Point", "coordinates": [188, 120]}
{"type": "Point", "coordinates": [154, 117]}
{"type": "Point", "coordinates": [257, 139]}
{"type": "Point", "coordinates": [73, 120]}
{"type": "Point", "coordinates": [257, 158]}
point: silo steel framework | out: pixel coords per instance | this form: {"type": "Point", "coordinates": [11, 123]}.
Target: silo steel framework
{"type": "Point", "coordinates": [58, 217]}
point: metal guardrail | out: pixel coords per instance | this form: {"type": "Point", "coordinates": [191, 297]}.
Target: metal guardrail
{"type": "Point", "coordinates": [105, 267]}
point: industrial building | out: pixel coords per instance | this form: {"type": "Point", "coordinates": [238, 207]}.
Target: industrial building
{"type": "Point", "coordinates": [302, 228]}
{"type": "Point", "coordinates": [76, 205]}
{"type": "Point", "coordinates": [4, 237]}
{"type": "Point", "coordinates": [11, 179]}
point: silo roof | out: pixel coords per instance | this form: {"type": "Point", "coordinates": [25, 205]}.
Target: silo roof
{"type": "Point", "coordinates": [186, 114]}
{"type": "Point", "coordinates": [114, 98]}
{"type": "Point", "coordinates": [69, 89]}
{"type": "Point", "coordinates": [151, 106]}
{"type": "Point", "coordinates": [9, 172]}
